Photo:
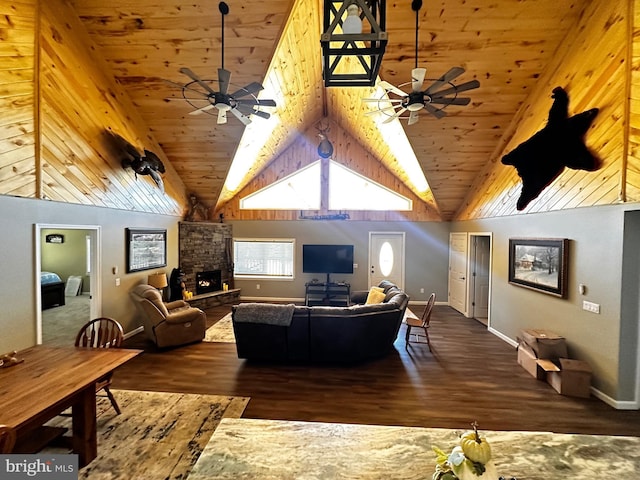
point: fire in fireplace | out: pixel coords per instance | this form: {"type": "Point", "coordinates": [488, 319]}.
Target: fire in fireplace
{"type": "Point", "coordinates": [208, 281]}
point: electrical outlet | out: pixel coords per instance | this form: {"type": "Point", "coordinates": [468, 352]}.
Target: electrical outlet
{"type": "Point", "coordinates": [422, 290]}
{"type": "Point", "coordinates": [257, 286]}
{"type": "Point", "coordinates": [117, 282]}
{"type": "Point", "coordinates": [591, 307]}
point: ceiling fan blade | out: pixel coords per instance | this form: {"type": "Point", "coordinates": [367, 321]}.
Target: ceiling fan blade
{"type": "Point", "coordinates": [223, 80]}
{"type": "Point", "coordinates": [417, 78]}
{"type": "Point", "coordinates": [197, 79]}
{"type": "Point", "coordinates": [376, 100]}
{"type": "Point", "coordinates": [385, 110]}
{"type": "Point", "coordinates": [261, 114]}
{"type": "Point", "coordinates": [247, 90]}
{"type": "Point", "coordinates": [436, 112]}
{"type": "Point", "coordinates": [243, 118]}
{"type": "Point", "coordinates": [259, 102]}
{"type": "Point", "coordinates": [391, 88]}
{"type": "Point", "coordinates": [198, 111]}
{"type": "Point", "coordinates": [413, 117]}
{"type": "Point", "coordinates": [452, 74]}
{"type": "Point", "coordinates": [463, 87]}
{"type": "Point", "coordinates": [396, 115]}
{"type": "Point", "coordinates": [250, 110]}
{"type": "Point", "coordinates": [222, 117]}
{"type": "Point", "coordinates": [451, 101]}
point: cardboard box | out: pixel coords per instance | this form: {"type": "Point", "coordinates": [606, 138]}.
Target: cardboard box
{"type": "Point", "coordinates": [571, 377]}
{"type": "Point", "coordinates": [527, 358]}
{"type": "Point", "coordinates": [545, 344]}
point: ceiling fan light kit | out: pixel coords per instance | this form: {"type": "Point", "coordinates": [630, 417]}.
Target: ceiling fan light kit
{"type": "Point", "coordinates": [345, 36]}
{"type": "Point", "coordinates": [242, 102]}
{"type": "Point", "coordinates": [397, 104]}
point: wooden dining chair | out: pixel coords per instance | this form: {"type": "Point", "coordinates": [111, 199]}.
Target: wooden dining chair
{"type": "Point", "coordinates": [421, 323]}
{"type": "Point", "coordinates": [102, 332]}
{"type": "Point", "coordinates": [7, 439]}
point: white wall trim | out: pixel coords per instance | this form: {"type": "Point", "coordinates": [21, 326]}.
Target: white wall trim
{"type": "Point", "coordinates": [502, 336]}
{"type": "Point", "coordinates": [617, 404]}
{"type": "Point", "coordinates": [133, 332]}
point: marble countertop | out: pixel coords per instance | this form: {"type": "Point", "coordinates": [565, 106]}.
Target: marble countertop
{"type": "Point", "coordinates": [271, 449]}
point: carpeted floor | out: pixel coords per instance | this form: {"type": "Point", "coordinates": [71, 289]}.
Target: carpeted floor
{"type": "Point", "coordinates": [60, 325]}
{"type": "Point", "coordinates": [221, 331]}
{"type": "Point", "coordinates": [157, 436]}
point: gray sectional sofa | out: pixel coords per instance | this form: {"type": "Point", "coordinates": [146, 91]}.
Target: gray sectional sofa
{"type": "Point", "coordinates": [320, 334]}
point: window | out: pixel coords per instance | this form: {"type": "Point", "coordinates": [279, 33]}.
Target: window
{"type": "Point", "coordinates": [264, 258]}
{"type": "Point", "coordinates": [347, 190]}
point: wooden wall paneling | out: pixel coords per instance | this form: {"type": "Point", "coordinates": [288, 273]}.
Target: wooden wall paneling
{"type": "Point", "coordinates": [590, 64]}
{"type": "Point", "coordinates": [17, 149]}
{"type": "Point", "coordinates": [81, 103]}
{"type": "Point", "coordinates": [633, 147]}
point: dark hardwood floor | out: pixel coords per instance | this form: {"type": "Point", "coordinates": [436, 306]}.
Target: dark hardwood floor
{"type": "Point", "coordinates": [471, 375]}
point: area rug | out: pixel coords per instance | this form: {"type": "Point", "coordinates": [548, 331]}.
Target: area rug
{"type": "Point", "coordinates": [221, 331]}
{"type": "Point", "coordinates": [157, 436]}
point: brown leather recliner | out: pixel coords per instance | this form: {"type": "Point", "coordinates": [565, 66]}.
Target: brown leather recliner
{"type": "Point", "coordinates": [168, 324]}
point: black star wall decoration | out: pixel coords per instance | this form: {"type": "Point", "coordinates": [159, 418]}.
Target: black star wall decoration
{"type": "Point", "coordinates": [540, 159]}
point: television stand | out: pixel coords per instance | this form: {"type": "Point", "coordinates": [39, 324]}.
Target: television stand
{"type": "Point", "coordinates": [327, 294]}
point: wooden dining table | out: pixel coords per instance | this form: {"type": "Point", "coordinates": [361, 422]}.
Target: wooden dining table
{"type": "Point", "coordinates": [48, 381]}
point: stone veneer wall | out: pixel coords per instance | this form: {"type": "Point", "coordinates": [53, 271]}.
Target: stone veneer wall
{"type": "Point", "coordinates": [202, 247]}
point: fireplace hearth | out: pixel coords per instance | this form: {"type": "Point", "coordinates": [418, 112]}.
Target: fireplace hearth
{"type": "Point", "coordinates": [208, 281]}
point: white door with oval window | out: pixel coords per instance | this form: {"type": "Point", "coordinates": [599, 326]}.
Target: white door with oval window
{"type": "Point", "coordinates": [386, 257]}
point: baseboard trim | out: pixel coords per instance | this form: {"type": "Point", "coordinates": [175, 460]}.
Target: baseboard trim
{"type": "Point", "coordinates": [133, 332]}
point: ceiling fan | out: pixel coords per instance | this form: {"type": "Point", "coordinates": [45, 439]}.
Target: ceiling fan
{"type": "Point", "coordinates": [434, 99]}
{"type": "Point", "coordinates": [201, 96]}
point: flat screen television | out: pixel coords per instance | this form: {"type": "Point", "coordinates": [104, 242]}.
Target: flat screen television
{"type": "Point", "coordinates": [327, 259]}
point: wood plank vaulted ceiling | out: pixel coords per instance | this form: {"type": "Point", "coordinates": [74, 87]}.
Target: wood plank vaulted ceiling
{"type": "Point", "coordinates": [505, 44]}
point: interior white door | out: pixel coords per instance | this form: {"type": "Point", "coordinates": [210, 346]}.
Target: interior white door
{"type": "Point", "coordinates": [386, 257]}
{"type": "Point", "coordinates": [481, 255]}
{"type": "Point", "coordinates": [458, 272]}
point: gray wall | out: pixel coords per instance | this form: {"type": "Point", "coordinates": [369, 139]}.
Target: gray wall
{"type": "Point", "coordinates": [427, 247]}
{"type": "Point", "coordinates": [18, 257]}
{"type": "Point", "coordinates": [608, 341]}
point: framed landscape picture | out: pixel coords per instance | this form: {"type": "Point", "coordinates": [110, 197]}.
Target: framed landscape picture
{"type": "Point", "coordinates": [539, 264]}
{"type": "Point", "coordinates": [146, 249]}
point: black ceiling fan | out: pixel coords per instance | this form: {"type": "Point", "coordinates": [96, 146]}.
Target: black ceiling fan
{"type": "Point", "coordinates": [243, 102]}
{"type": "Point", "coordinates": [434, 99]}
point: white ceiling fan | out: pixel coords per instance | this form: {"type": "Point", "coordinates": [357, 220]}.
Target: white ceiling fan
{"type": "Point", "coordinates": [242, 102]}
{"type": "Point", "coordinates": [434, 99]}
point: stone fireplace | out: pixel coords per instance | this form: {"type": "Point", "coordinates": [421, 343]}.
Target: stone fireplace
{"type": "Point", "coordinates": [205, 262]}
{"type": "Point", "coordinates": [208, 281]}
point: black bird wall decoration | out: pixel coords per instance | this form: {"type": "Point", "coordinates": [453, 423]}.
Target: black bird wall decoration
{"type": "Point", "coordinates": [147, 163]}
{"type": "Point", "coordinates": [542, 158]}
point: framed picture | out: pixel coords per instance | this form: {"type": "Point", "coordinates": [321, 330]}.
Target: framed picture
{"type": "Point", "coordinates": [539, 264]}
{"type": "Point", "coordinates": [54, 238]}
{"type": "Point", "coordinates": [146, 249]}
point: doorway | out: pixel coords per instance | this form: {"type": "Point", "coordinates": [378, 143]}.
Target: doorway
{"type": "Point", "coordinates": [470, 274]}
{"type": "Point", "coordinates": [480, 276]}
{"type": "Point", "coordinates": [458, 272]}
{"type": "Point", "coordinates": [85, 305]}
{"type": "Point", "coordinates": [386, 258]}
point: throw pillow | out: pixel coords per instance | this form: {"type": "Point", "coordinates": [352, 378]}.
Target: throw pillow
{"type": "Point", "coordinates": [376, 295]}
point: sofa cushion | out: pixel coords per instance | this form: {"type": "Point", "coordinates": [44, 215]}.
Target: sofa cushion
{"type": "Point", "coordinates": [376, 295]}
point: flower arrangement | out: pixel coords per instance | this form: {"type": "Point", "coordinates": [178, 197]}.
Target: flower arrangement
{"type": "Point", "coordinates": [470, 460]}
